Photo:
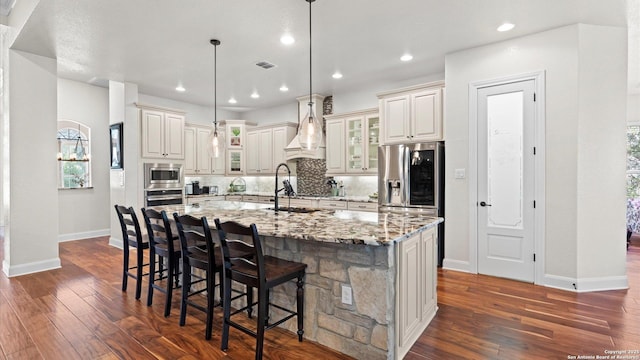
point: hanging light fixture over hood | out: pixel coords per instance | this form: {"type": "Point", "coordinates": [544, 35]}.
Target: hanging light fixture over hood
{"type": "Point", "coordinates": [215, 144]}
{"type": "Point", "coordinates": [309, 141]}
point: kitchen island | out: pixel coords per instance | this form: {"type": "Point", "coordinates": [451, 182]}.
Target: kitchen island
{"type": "Point", "coordinates": [370, 287]}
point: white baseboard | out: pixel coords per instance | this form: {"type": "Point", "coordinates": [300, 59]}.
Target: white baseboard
{"type": "Point", "coordinates": [29, 268]}
{"type": "Point", "coordinates": [456, 265]}
{"type": "Point", "coordinates": [83, 235]}
{"type": "Point", "coordinates": [586, 284]}
{"type": "Point", "coordinates": [115, 242]}
{"type": "Point", "coordinates": [603, 283]}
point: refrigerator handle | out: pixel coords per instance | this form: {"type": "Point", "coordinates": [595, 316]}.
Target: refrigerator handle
{"type": "Point", "coordinates": [406, 158]}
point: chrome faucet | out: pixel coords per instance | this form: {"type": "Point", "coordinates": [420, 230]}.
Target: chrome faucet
{"type": "Point", "coordinates": [287, 185]}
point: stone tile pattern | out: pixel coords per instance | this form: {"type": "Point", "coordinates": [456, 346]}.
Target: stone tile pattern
{"type": "Point", "coordinates": [311, 177]}
{"type": "Point", "coordinates": [362, 329]}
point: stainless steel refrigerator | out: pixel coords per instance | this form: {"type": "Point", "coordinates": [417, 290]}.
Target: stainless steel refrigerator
{"type": "Point", "coordinates": [411, 179]}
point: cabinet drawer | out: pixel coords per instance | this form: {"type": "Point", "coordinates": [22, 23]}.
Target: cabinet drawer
{"type": "Point", "coordinates": [233, 197]}
{"type": "Point", "coordinates": [251, 198]}
{"type": "Point", "coordinates": [302, 203]}
{"type": "Point", "coordinates": [332, 204]}
{"type": "Point", "coordinates": [362, 206]}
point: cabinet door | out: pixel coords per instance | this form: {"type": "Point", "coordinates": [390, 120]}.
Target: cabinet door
{"type": "Point", "coordinates": [203, 164]}
{"type": "Point", "coordinates": [173, 136]}
{"type": "Point", "coordinates": [235, 162]}
{"type": "Point", "coordinates": [281, 138]}
{"type": "Point", "coordinates": [426, 117]}
{"type": "Point", "coordinates": [152, 134]}
{"type": "Point", "coordinates": [409, 283]}
{"type": "Point", "coordinates": [355, 144]}
{"type": "Point", "coordinates": [428, 266]}
{"type": "Point", "coordinates": [253, 152]}
{"type": "Point", "coordinates": [265, 152]}
{"type": "Point", "coordinates": [190, 151]}
{"type": "Point", "coordinates": [372, 136]}
{"type": "Point", "coordinates": [396, 119]}
{"type": "Point", "coordinates": [335, 151]}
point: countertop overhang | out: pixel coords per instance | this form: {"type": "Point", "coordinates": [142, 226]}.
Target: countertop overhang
{"type": "Point", "coordinates": [333, 226]}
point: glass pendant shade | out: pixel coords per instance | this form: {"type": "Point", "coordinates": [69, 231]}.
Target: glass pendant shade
{"type": "Point", "coordinates": [215, 143]}
{"type": "Point", "coordinates": [310, 131]}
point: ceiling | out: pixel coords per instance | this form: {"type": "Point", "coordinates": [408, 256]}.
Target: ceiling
{"type": "Point", "coordinates": [160, 44]}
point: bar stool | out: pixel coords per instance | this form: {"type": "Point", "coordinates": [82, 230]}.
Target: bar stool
{"type": "Point", "coordinates": [261, 272]}
{"type": "Point", "coordinates": [159, 231]}
{"type": "Point", "coordinates": [132, 237]}
{"type": "Point", "coordinates": [198, 252]}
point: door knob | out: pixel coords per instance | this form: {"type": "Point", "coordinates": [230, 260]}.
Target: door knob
{"type": "Point", "coordinates": [482, 203]}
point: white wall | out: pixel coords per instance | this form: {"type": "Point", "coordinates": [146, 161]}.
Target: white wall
{"type": "Point", "coordinates": [343, 101]}
{"type": "Point", "coordinates": [569, 89]}
{"type": "Point", "coordinates": [84, 213]}
{"type": "Point", "coordinates": [32, 201]}
{"type": "Point", "coordinates": [195, 114]}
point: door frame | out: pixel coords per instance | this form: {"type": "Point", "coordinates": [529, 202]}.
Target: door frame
{"type": "Point", "coordinates": [539, 167]}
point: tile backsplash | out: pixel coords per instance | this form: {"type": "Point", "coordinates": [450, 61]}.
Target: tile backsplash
{"type": "Point", "coordinates": [311, 177]}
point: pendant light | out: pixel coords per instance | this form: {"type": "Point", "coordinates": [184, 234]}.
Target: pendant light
{"type": "Point", "coordinates": [310, 128]}
{"type": "Point", "coordinates": [215, 145]}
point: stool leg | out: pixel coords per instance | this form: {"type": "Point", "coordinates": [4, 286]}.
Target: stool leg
{"type": "Point", "coordinates": [300, 304]}
{"type": "Point", "coordinates": [167, 302]}
{"type": "Point", "coordinates": [125, 265]}
{"type": "Point", "coordinates": [186, 285]}
{"type": "Point", "coordinates": [152, 276]}
{"type": "Point", "coordinates": [226, 309]}
{"type": "Point", "coordinates": [140, 259]}
{"type": "Point", "coordinates": [249, 300]}
{"type": "Point", "coordinates": [210, 279]}
{"type": "Point", "coordinates": [263, 304]}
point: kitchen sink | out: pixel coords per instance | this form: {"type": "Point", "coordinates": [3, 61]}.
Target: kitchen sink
{"type": "Point", "coordinates": [294, 209]}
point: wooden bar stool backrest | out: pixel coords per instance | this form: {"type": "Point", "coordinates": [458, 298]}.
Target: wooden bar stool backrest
{"type": "Point", "coordinates": [130, 226]}
{"type": "Point", "coordinates": [159, 230]}
{"type": "Point", "coordinates": [242, 239]}
{"type": "Point", "coordinates": [195, 235]}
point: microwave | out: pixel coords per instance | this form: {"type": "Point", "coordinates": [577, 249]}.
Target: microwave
{"type": "Point", "coordinates": [163, 176]}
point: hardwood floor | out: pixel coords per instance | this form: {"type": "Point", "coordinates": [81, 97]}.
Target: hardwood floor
{"type": "Point", "coordinates": [79, 312]}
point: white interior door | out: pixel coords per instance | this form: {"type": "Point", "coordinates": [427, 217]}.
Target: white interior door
{"type": "Point", "coordinates": [506, 180]}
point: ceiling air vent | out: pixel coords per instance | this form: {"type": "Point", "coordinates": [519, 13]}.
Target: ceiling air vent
{"type": "Point", "coordinates": [265, 64]}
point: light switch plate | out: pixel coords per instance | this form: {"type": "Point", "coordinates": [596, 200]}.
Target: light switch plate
{"type": "Point", "coordinates": [459, 173]}
{"type": "Point", "coordinates": [346, 295]}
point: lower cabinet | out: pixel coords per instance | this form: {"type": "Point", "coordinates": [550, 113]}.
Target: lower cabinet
{"type": "Point", "coordinates": [416, 280]}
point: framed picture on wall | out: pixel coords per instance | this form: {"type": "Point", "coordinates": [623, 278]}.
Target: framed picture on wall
{"type": "Point", "coordinates": [115, 133]}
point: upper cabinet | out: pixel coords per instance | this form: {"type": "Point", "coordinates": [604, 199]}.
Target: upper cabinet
{"type": "Point", "coordinates": [352, 142]}
{"type": "Point", "coordinates": [265, 147]}
{"type": "Point", "coordinates": [197, 160]}
{"type": "Point", "coordinates": [412, 114]}
{"type": "Point", "coordinates": [162, 133]}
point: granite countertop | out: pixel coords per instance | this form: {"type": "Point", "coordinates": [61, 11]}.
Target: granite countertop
{"type": "Point", "coordinates": [311, 197]}
{"type": "Point", "coordinates": [335, 226]}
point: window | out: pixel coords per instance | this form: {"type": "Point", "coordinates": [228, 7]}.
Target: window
{"type": "Point", "coordinates": [74, 155]}
{"type": "Point", "coordinates": [633, 161]}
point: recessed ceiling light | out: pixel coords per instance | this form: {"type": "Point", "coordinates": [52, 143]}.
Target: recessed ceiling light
{"type": "Point", "coordinates": [337, 75]}
{"type": "Point", "coordinates": [232, 101]}
{"type": "Point", "coordinates": [505, 27]}
{"type": "Point", "coordinates": [255, 95]}
{"type": "Point", "coordinates": [406, 57]}
{"type": "Point", "coordinates": [284, 88]}
{"type": "Point", "coordinates": [180, 88]}
{"type": "Point", "coordinates": [287, 39]}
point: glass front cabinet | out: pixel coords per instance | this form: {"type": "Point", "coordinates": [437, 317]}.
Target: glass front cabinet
{"type": "Point", "coordinates": [363, 134]}
{"type": "Point", "coordinates": [352, 142]}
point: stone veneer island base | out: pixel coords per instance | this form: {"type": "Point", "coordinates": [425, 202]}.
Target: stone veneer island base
{"type": "Point", "coordinates": [387, 260]}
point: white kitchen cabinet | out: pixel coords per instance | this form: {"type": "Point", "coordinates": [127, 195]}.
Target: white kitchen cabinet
{"type": "Point", "coordinates": [352, 142]}
{"type": "Point", "coordinates": [197, 160]}
{"type": "Point", "coordinates": [335, 140]}
{"type": "Point", "coordinates": [332, 204]}
{"type": "Point", "coordinates": [233, 197]}
{"type": "Point", "coordinates": [412, 114]}
{"type": "Point", "coordinates": [265, 148]}
{"type": "Point", "coordinates": [362, 206]}
{"type": "Point", "coordinates": [162, 133]}
{"type": "Point", "coordinates": [416, 281]}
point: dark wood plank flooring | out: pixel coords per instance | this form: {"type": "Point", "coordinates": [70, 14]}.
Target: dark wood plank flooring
{"type": "Point", "coordinates": [79, 312]}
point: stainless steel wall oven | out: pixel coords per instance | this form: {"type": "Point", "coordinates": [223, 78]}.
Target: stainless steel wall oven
{"type": "Point", "coordinates": [163, 184]}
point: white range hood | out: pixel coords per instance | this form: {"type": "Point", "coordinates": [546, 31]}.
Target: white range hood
{"type": "Point", "coordinates": [294, 150]}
